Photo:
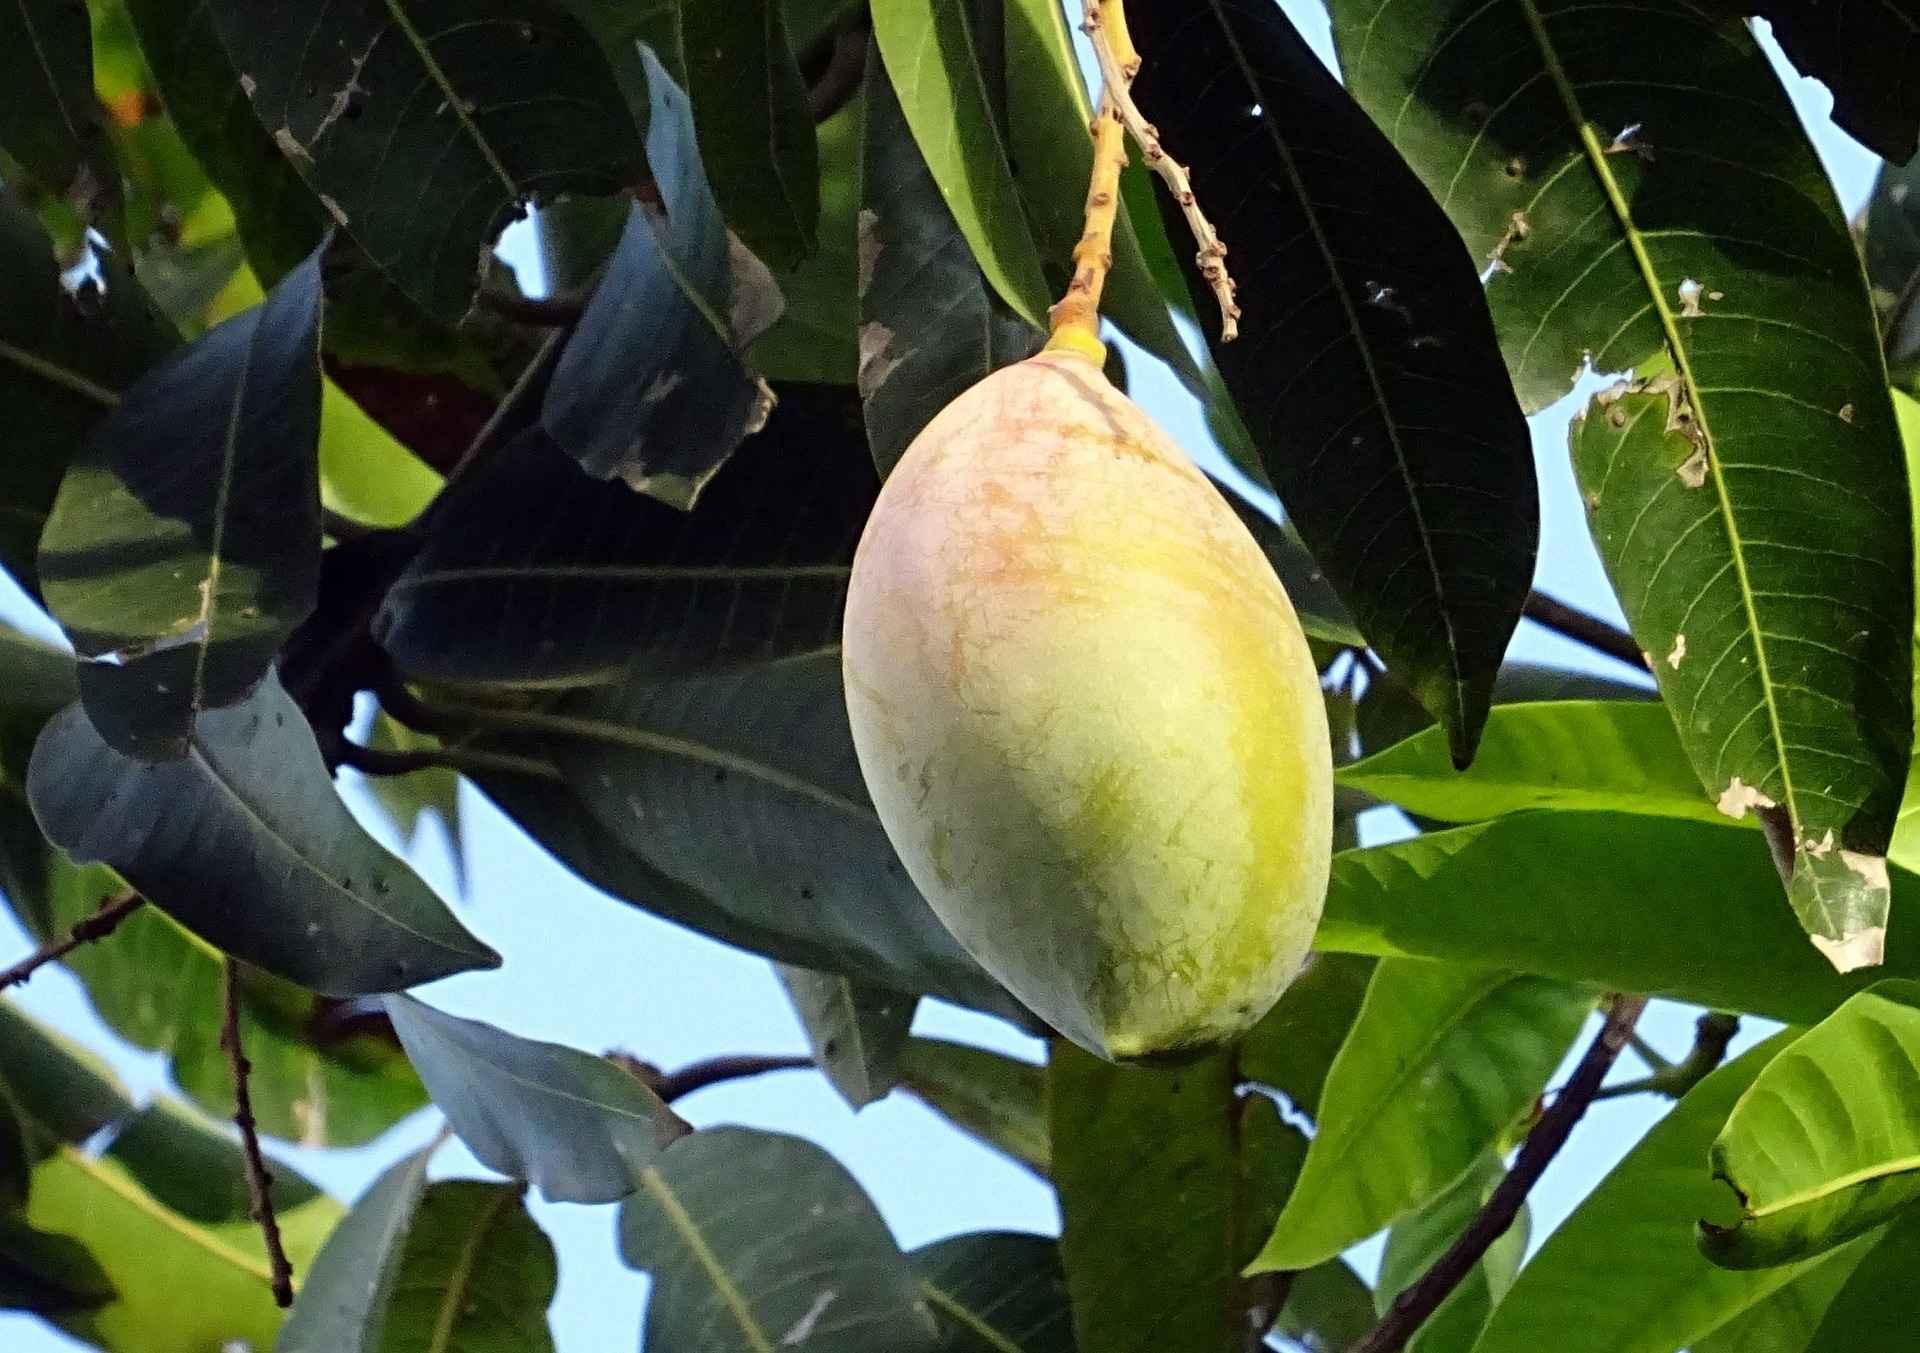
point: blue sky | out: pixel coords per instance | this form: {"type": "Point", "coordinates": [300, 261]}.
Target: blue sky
{"type": "Point", "coordinates": [583, 970]}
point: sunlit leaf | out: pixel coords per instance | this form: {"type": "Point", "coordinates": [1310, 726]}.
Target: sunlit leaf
{"type": "Point", "coordinates": [1874, 1312]}
{"type": "Point", "coordinates": [1292, 1048]}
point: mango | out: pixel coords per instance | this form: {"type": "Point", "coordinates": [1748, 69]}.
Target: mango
{"type": "Point", "coordinates": [1088, 718]}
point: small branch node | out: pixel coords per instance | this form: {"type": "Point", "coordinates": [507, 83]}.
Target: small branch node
{"type": "Point", "coordinates": [259, 1178]}
{"type": "Point", "coordinates": [88, 930]}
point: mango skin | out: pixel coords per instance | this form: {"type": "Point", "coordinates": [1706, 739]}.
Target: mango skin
{"type": "Point", "coordinates": [1088, 717]}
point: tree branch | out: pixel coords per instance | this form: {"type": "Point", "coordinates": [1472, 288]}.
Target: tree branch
{"type": "Point", "coordinates": [699, 1075]}
{"type": "Point", "coordinates": [1412, 1307]}
{"type": "Point", "coordinates": [379, 761]}
{"type": "Point", "coordinates": [1586, 629]}
{"type": "Point", "coordinates": [259, 1180]}
{"type": "Point", "coordinates": [113, 910]}
{"type": "Point", "coordinates": [1712, 1034]}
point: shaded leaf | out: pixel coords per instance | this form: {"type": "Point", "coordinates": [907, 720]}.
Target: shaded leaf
{"type": "Point", "coordinates": [197, 1168]}
{"type": "Point", "coordinates": [997, 1292]}
{"type": "Point", "coordinates": [184, 545]}
{"type": "Point", "coordinates": [1874, 1311]}
{"type": "Point", "coordinates": [996, 1098]}
{"type": "Point", "coordinates": [1328, 1308]}
{"type": "Point", "coordinates": [47, 1275]}
{"type": "Point", "coordinates": [649, 388]}
{"type": "Point", "coordinates": [410, 800]}
{"type": "Point", "coordinates": [1785, 1322]}
{"type": "Point", "coordinates": [816, 336]}
{"type": "Point", "coordinates": [55, 1090]}
{"type": "Point", "coordinates": [1318, 606]}
{"type": "Point", "coordinates": [574, 1125]}
{"type": "Point", "coordinates": [245, 842]}
{"type": "Point", "coordinates": [1294, 1045]}
{"type": "Point", "coordinates": [1824, 1145]}
{"type": "Point", "coordinates": [1440, 1062]}
{"type": "Point", "coordinates": [1865, 54]}
{"type": "Point", "coordinates": [1417, 1241]}
{"type": "Point", "coordinates": [1892, 250]}
{"type": "Point", "coordinates": [856, 1030]}
{"type": "Point", "coordinates": [934, 63]}
{"type": "Point", "coordinates": [1368, 369]}
{"type": "Point", "coordinates": [50, 121]}
{"type": "Point", "coordinates": [806, 1263]}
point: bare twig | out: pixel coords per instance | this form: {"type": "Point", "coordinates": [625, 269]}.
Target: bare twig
{"type": "Point", "coordinates": [1712, 1034]}
{"type": "Point", "coordinates": [113, 910]}
{"type": "Point", "coordinates": [845, 70]}
{"type": "Point", "coordinates": [380, 761]}
{"type": "Point", "coordinates": [1648, 1053]}
{"type": "Point", "coordinates": [1586, 629]}
{"type": "Point", "coordinates": [259, 1180]}
{"type": "Point", "coordinates": [1411, 1308]}
{"type": "Point", "coordinates": [699, 1075]}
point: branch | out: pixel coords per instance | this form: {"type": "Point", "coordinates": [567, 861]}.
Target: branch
{"type": "Point", "coordinates": [259, 1180]}
{"type": "Point", "coordinates": [1712, 1034]}
{"type": "Point", "coordinates": [846, 69]}
{"type": "Point", "coordinates": [113, 910]}
{"type": "Point", "coordinates": [1586, 629]}
{"type": "Point", "coordinates": [698, 1076]}
{"type": "Point", "coordinates": [1412, 1307]}
{"type": "Point", "coordinates": [379, 761]}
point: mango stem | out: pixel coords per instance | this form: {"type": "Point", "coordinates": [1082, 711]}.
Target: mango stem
{"type": "Point", "coordinates": [1076, 318]}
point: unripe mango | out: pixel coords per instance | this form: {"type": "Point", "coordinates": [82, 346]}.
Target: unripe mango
{"type": "Point", "coordinates": [1088, 717]}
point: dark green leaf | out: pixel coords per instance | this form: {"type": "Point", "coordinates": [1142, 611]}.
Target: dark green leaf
{"type": "Point", "coordinates": [996, 1098]}
{"type": "Point", "coordinates": [1746, 486]}
{"type": "Point", "coordinates": [1417, 1241]}
{"type": "Point", "coordinates": [1825, 1145]}
{"type": "Point", "coordinates": [1318, 606]}
{"type": "Point", "coordinates": [47, 1274]}
{"type": "Point", "coordinates": [184, 545]}
{"type": "Point", "coordinates": [930, 326]}
{"type": "Point", "coordinates": [50, 121]}
{"type": "Point", "coordinates": [1440, 1062]}
{"type": "Point", "coordinates": [856, 1030]}
{"type": "Point", "coordinates": [1328, 1308]}
{"type": "Point", "coordinates": [934, 64]}
{"type": "Point", "coordinates": [1368, 370]}
{"type": "Point", "coordinates": [1785, 1322]}
{"type": "Point", "coordinates": [1892, 250]}
{"type": "Point", "coordinates": [763, 1241]}
{"type": "Point", "coordinates": [1292, 1048]}
{"type": "Point", "coordinates": [1875, 1311]}
{"type": "Point", "coordinates": [1865, 54]}
{"type": "Point", "coordinates": [56, 1091]}
{"type": "Point", "coordinates": [196, 1168]}
{"type": "Point", "coordinates": [344, 1301]}
{"type": "Point", "coordinates": [538, 574]}
{"type": "Point", "coordinates": [575, 1126]}
{"type": "Point", "coordinates": [997, 1292]}
{"type": "Point", "coordinates": [245, 842]}
{"type": "Point", "coordinates": [816, 336]}
{"type": "Point", "coordinates": [424, 124]}
{"type": "Point", "coordinates": [649, 388]}
{"type": "Point", "coordinates": [1146, 1275]}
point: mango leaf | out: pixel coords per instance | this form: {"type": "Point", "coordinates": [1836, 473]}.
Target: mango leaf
{"type": "Point", "coordinates": [55, 1090]}
{"type": "Point", "coordinates": [816, 336]}
{"type": "Point", "coordinates": [409, 801]}
{"type": "Point", "coordinates": [454, 1264]}
{"type": "Point", "coordinates": [47, 1275]}
{"type": "Point", "coordinates": [1441, 1060]}
{"type": "Point", "coordinates": [538, 574]}
{"type": "Point", "coordinates": [1865, 54]}
{"type": "Point", "coordinates": [1891, 247]}
{"type": "Point", "coordinates": [244, 842]}
{"type": "Point", "coordinates": [1293, 1047]}
{"type": "Point", "coordinates": [574, 1125]}
{"type": "Point", "coordinates": [933, 60]}
{"type": "Point", "coordinates": [423, 126]}
{"type": "Point", "coordinates": [64, 356]}
{"type": "Point", "coordinates": [930, 326]}
{"type": "Point", "coordinates": [1318, 606]}
{"type": "Point", "coordinates": [1786, 1321]}
{"type": "Point", "coordinates": [51, 122]}
{"type": "Point", "coordinates": [649, 388]}
{"type": "Point", "coordinates": [1752, 517]}
{"type": "Point", "coordinates": [856, 1030]}
{"type": "Point", "coordinates": [1823, 1146]}
{"type": "Point", "coordinates": [1656, 1292]}
{"type": "Point", "coordinates": [1328, 1307]}
{"type": "Point", "coordinates": [1367, 369]}
{"type": "Point", "coordinates": [996, 1292]}
{"type": "Point", "coordinates": [1597, 755]}
{"type": "Point", "coordinates": [184, 545]}
{"type": "Point", "coordinates": [996, 1098]}
{"type": "Point", "coordinates": [1874, 1311]}
{"type": "Point", "coordinates": [1417, 1241]}
{"type": "Point", "coordinates": [806, 1261]}
{"type": "Point", "coordinates": [1145, 1275]}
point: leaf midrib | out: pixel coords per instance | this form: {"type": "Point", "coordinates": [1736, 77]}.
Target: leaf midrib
{"type": "Point", "coordinates": [452, 95]}
{"type": "Point", "coordinates": [55, 374]}
{"type": "Point", "coordinates": [453, 1297]}
{"type": "Point", "coordinates": [696, 1242]}
{"type": "Point", "coordinates": [1838, 1184]}
{"type": "Point", "coordinates": [141, 1201]}
{"type": "Point", "coordinates": [957, 1311]}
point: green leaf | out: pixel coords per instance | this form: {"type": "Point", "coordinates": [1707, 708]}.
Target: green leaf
{"type": "Point", "coordinates": [1146, 1275]}
{"type": "Point", "coordinates": [58, 1091]}
{"type": "Point", "coordinates": [761, 1241]}
{"type": "Point", "coordinates": [1892, 250]}
{"type": "Point", "coordinates": [934, 66]}
{"type": "Point", "coordinates": [1874, 1311]}
{"type": "Point", "coordinates": [996, 1292]}
{"type": "Point", "coordinates": [1292, 1048]}
{"type": "Point", "coordinates": [856, 1030]}
{"type": "Point", "coordinates": [1328, 1308]}
{"type": "Point", "coordinates": [1656, 1292]}
{"type": "Point", "coordinates": [47, 1275]}
{"type": "Point", "coordinates": [575, 1126]}
{"type": "Point", "coordinates": [930, 326]}
{"type": "Point", "coordinates": [1824, 1145]}
{"type": "Point", "coordinates": [816, 336]}
{"type": "Point", "coordinates": [1315, 602]}
{"type": "Point", "coordinates": [1785, 1322]}
{"type": "Point", "coordinates": [196, 1168]}
{"type": "Point", "coordinates": [1368, 370]}
{"type": "Point", "coordinates": [1752, 514]}
{"type": "Point", "coordinates": [1865, 55]}
{"type": "Point", "coordinates": [1417, 1241]}
{"type": "Point", "coordinates": [538, 574]}
{"type": "Point", "coordinates": [184, 545]}
{"type": "Point", "coordinates": [410, 800]}
{"type": "Point", "coordinates": [996, 1098]}
{"type": "Point", "coordinates": [422, 125]}
{"type": "Point", "coordinates": [245, 842]}
{"type": "Point", "coordinates": [1599, 755]}
{"type": "Point", "coordinates": [456, 1264]}
{"type": "Point", "coordinates": [1441, 1061]}
{"type": "Point", "coordinates": [649, 387]}
{"type": "Point", "coordinates": [50, 121]}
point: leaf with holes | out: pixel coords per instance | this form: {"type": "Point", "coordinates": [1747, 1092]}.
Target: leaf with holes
{"type": "Point", "coordinates": [574, 1125]}
{"type": "Point", "coordinates": [244, 841]}
{"type": "Point", "coordinates": [650, 387]}
{"type": "Point", "coordinates": [997, 1292]}
{"type": "Point", "coordinates": [184, 545]}
{"type": "Point", "coordinates": [996, 1098]}
{"type": "Point", "coordinates": [763, 1241]}
{"type": "Point", "coordinates": [424, 125]}
{"type": "Point", "coordinates": [856, 1030]}
{"type": "Point", "coordinates": [1745, 486]}
{"type": "Point", "coordinates": [1367, 368]}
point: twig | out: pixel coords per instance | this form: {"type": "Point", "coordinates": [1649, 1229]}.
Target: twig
{"type": "Point", "coordinates": [380, 761]}
{"type": "Point", "coordinates": [87, 930]}
{"type": "Point", "coordinates": [1411, 1308]}
{"type": "Point", "coordinates": [1586, 629]}
{"type": "Point", "coordinates": [1106, 27]}
{"type": "Point", "coordinates": [544, 312]}
{"type": "Point", "coordinates": [1647, 1053]}
{"type": "Point", "coordinates": [1075, 320]}
{"type": "Point", "coordinates": [1712, 1034]}
{"type": "Point", "coordinates": [259, 1180]}
{"type": "Point", "coordinates": [840, 81]}
{"type": "Point", "coordinates": [533, 371]}
{"type": "Point", "coordinates": [698, 1076]}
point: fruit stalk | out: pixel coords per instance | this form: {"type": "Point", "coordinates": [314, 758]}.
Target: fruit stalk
{"type": "Point", "coordinates": [1076, 319]}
